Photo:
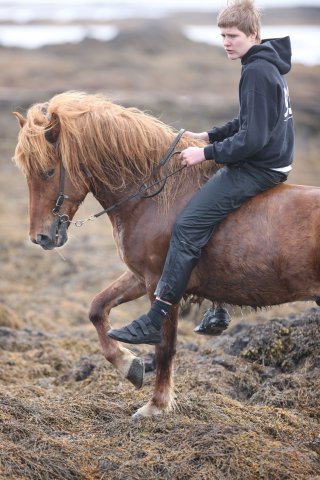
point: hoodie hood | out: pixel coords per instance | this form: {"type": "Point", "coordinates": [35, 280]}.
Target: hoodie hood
{"type": "Point", "coordinates": [275, 50]}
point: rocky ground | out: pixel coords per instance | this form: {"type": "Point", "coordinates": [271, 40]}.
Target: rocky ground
{"type": "Point", "coordinates": [248, 401]}
{"type": "Point", "coordinates": [247, 406]}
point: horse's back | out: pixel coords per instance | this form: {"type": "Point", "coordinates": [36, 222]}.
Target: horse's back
{"type": "Point", "coordinates": [267, 251]}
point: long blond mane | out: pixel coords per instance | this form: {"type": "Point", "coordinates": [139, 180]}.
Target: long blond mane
{"type": "Point", "coordinates": [119, 146]}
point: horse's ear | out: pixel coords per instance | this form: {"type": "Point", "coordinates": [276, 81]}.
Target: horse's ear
{"type": "Point", "coordinates": [20, 118]}
{"type": "Point", "coordinates": [53, 129]}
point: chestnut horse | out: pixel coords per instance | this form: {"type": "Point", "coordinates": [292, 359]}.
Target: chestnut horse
{"type": "Point", "coordinates": [265, 253]}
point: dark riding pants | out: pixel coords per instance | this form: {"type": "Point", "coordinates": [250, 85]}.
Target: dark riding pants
{"type": "Point", "coordinates": [224, 192]}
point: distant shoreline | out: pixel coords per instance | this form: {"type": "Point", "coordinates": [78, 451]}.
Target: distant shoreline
{"type": "Point", "coordinates": [304, 38]}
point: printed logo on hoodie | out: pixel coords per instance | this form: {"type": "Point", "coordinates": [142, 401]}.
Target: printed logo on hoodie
{"type": "Point", "coordinates": [288, 112]}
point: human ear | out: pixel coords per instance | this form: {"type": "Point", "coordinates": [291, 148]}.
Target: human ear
{"type": "Point", "coordinates": [254, 37]}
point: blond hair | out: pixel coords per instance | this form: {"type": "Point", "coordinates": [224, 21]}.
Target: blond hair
{"type": "Point", "coordinates": [242, 14]}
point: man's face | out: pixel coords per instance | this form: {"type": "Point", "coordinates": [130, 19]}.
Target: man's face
{"type": "Point", "coordinates": [236, 43]}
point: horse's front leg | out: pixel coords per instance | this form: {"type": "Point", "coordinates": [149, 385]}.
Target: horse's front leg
{"type": "Point", "coordinates": [162, 399]}
{"type": "Point", "coordinates": [127, 287]}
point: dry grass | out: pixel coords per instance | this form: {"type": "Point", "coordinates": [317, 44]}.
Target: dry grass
{"type": "Point", "coordinates": [66, 414]}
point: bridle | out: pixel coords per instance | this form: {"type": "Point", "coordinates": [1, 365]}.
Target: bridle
{"type": "Point", "coordinates": [139, 193]}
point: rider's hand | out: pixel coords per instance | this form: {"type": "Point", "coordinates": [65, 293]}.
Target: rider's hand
{"type": "Point", "coordinates": [201, 136]}
{"type": "Point", "coordinates": [191, 156]}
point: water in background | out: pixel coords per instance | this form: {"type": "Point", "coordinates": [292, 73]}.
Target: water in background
{"type": "Point", "coordinates": [15, 15]}
{"type": "Point", "coordinates": [305, 39]}
{"type": "Point", "coordinates": [34, 36]}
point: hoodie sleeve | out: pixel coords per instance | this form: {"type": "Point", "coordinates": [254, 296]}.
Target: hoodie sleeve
{"type": "Point", "coordinates": [258, 117]}
{"type": "Point", "coordinates": [217, 134]}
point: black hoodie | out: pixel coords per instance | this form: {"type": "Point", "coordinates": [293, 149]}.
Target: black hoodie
{"type": "Point", "coordinates": [263, 132]}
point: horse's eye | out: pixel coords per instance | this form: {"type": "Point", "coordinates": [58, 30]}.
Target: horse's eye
{"type": "Point", "coordinates": [49, 174]}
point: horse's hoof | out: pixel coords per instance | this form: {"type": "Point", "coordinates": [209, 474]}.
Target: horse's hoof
{"type": "Point", "coordinates": [214, 322]}
{"type": "Point", "coordinates": [136, 417]}
{"type": "Point", "coordinates": [318, 301]}
{"type": "Point", "coordinates": [136, 372]}
{"type": "Point", "coordinates": [148, 410]}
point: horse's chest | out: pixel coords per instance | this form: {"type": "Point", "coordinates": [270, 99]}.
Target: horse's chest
{"type": "Point", "coordinates": [127, 242]}
{"type": "Point", "coordinates": [141, 243]}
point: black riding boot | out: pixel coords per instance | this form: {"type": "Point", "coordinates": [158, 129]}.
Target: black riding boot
{"type": "Point", "coordinates": [214, 321]}
{"type": "Point", "coordinates": [146, 328]}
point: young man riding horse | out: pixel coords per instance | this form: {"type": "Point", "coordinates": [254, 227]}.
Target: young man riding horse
{"type": "Point", "coordinates": [255, 151]}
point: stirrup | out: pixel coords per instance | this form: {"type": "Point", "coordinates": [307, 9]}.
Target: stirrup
{"type": "Point", "coordinates": [214, 322]}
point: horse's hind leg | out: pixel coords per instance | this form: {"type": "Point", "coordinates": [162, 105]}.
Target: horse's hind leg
{"type": "Point", "coordinates": [162, 399]}
{"type": "Point", "coordinates": [127, 287]}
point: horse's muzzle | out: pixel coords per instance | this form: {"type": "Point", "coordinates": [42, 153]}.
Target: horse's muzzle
{"type": "Point", "coordinates": [56, 237]}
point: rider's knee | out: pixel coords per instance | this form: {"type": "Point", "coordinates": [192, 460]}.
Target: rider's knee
{"type": "Point", "coordinates": [180, 229]}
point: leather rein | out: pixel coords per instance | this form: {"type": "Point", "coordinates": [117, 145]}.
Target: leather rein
{"type": "Point", "coordinates": [139, 193]}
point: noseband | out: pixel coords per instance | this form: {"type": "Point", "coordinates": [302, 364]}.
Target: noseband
{"type": "Point", "coordinates": [141, 192]}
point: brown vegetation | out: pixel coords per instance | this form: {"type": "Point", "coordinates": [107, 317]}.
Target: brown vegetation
{"type": "Point", "coordinates": [247, 402]}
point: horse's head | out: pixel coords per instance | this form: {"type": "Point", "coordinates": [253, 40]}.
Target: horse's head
{"type": "Point", "coordinates": [75, 133]}
{"type": "Point", "coordinates": [53, 197]}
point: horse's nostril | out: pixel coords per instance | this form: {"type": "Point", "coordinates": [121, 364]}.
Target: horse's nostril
{"type": "Point", "coordinates": [42, 239]}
